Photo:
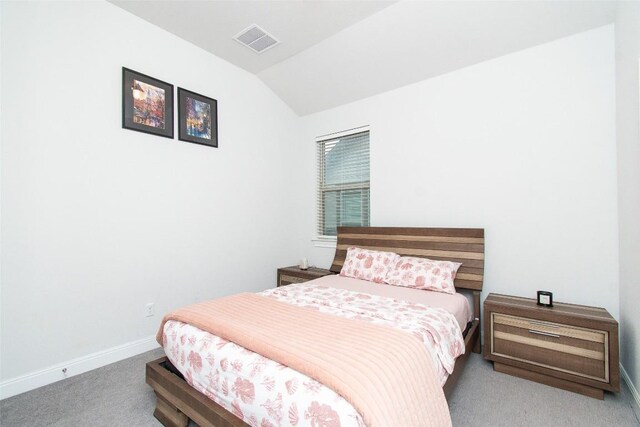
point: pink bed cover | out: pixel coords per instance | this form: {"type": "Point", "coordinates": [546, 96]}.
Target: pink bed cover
{"type": "Point", "coordinates": [267, 393]}
{"type": "Point", "coordinates": [456, 304]}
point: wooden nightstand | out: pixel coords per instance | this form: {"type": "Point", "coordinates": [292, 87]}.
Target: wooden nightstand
{"type": "Point", "coordinates": [573, 347]}
{"type": "Point", "coordinates": [293, 274]}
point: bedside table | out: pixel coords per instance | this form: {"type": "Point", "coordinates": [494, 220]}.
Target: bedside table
{"type": "Point", "coordinates": [293, 274]}
{"type": "Point", "coordinates": [573, 347]}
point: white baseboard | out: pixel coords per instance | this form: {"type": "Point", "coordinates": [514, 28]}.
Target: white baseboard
{"type": "Point", "coordinates": [77, 366]}
{"type": "Point", "coordinates": [80, 365]}
{"type": "Point", "coordinates": [632, 387]}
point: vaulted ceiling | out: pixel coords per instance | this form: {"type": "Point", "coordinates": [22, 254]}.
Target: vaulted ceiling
{"type": "Point", "coordinates": [336, 52]}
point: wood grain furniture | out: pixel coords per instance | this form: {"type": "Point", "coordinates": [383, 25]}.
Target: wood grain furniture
{"type": "Point", "coordinates": [177, 402]}
{"type": "Point", "coordinates": [573, 347]}
{"type": "Point", "coordinates": [294, 274]}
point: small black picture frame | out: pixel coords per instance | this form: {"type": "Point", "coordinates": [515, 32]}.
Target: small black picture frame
{"type": "Point", "coordinates": [147, 104]}
{"type": "Point", "coordinates": [545, 298]}
{"type": "Point", "coordinates": [197, 118]}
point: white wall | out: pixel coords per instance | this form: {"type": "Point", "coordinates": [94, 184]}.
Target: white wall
{"type": "Point", "coordinates": [628, 135]}
{"type": "Point", "coordinates": [97, 220]}
{"type": "Point", "coordinates": [522, 145]}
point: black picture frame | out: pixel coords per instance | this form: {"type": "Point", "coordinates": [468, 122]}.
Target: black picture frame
{"type": "Point", "coordinates": [206, 131]}
{"type": "Point", "coordinates": [147, 104]}
{"type": "Point", "coordinates": [545, 298]}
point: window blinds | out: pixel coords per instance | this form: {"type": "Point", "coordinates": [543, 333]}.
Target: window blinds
{"type": "Point", "coordinates": [343, 182]}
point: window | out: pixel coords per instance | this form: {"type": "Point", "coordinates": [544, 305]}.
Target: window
{"type": "Point", "coordinates": [343, 181]}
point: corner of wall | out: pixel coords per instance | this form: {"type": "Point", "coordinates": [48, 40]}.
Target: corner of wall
{"type": "Point", "coordinates": [627, 40]}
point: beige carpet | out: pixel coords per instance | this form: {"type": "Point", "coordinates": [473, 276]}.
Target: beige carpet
{"type": "Point", "coordinates": [117, 395]}
{"type": "Point", "coordinates": [488, 398]}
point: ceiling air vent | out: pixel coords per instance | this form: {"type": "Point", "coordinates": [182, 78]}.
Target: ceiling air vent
{"type": "Point", "coordinates": [256, 39]}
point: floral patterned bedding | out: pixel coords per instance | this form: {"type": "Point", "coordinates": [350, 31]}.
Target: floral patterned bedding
{"type": "Point", "coordinates": [265, 393]}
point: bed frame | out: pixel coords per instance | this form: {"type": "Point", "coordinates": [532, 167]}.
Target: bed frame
{"type": "Point", "coordinates": [177, 402]}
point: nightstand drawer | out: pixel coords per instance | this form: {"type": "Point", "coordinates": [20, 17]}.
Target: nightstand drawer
{"type": "Point", "coordinates": [564, 348]}
{"type": "Point", "coordinates": [289, 280]}
{"type": "Point", "coordinates": [292, 275]}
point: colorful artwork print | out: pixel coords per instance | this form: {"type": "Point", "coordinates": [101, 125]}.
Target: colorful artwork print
{"type": "Point", "coordinates": [148, 104]}
{"type": "Point", "coordinates": [198, 118]}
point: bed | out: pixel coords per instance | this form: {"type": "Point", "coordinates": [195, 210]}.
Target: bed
{"type": "Point", "coordinates": [178, 402]}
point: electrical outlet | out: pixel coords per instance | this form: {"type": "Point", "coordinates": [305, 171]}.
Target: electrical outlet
{"type": "Point", "coordinates": [148, 309]}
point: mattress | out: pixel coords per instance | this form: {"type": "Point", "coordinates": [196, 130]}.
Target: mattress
{"type": "Point", "coordinates": [456, 304]}
{"type": "Point", "coordinates": [264, 393]}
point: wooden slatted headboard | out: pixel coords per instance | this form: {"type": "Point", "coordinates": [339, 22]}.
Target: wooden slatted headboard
{"type": "Point", "coordinates": [464, 245]}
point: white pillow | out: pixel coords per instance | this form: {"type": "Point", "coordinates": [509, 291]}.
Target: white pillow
{"type": "Point", "coordinates": [368, 265]}
{"type": "Point", "coordinates": [423, 273]}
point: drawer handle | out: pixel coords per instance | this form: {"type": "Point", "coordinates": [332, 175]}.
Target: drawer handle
{"type": "Point", "coordinates": [548, 325]}
{"type": "Point", "coordinates": [546, 334]}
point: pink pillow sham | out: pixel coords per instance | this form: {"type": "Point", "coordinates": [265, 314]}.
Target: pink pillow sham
{"type": "Point", "coordinates": [368, 265]}
{"type": "Point", "coordinates": [423, 273]}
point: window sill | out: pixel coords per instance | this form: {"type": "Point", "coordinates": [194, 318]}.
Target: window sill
{"type": "Point", "coordinates": [324, 242]}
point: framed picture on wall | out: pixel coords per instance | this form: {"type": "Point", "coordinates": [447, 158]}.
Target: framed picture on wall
{"type": "Point", "coordinates": [197, 118]}
{"type": "Point", "coordinates": [147, 104]}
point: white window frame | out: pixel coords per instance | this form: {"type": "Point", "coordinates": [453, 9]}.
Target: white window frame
{"type": "Point", "coordinates": [331, 241]}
